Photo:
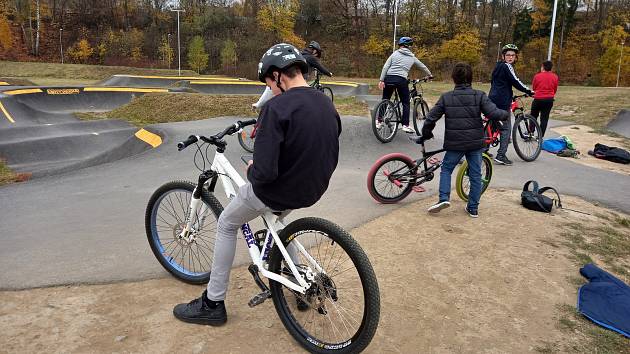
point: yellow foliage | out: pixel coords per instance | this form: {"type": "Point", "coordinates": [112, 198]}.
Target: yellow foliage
{"type": "Point", "coordinates": [136, 54]}
{"type": "Point", "coordinates": [608, 63]}
{"type": "Point", "coordinates": [81, 51]}
{"type": "Point", "coordinates": [278, 17]}
{"type": "Point", "coordinates": [6, 38]}
{"type": "Point", "coordinates": [376, 46]}
{"type": "Point", "coordinates": [465, 46]}
{"type": "Point", "coordinates": [540, 16]}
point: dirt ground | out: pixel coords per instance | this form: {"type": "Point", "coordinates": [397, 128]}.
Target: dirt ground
{"type": "Point", "coordinates": [449, 284]}
{"type": "Point", "coordinates": [585, 140]}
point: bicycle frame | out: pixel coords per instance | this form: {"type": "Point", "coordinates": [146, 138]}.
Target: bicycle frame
{"type": "Point", "coordinates": [491, 136]}
{"type": "Point", "coordinates": [222, 168]}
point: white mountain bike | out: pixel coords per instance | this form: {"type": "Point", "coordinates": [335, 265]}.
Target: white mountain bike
{"type": "Point", "coordinates": [337, 303]}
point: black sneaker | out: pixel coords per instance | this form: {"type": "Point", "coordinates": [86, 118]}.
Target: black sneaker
{"type": "Point", "coordinates": [472, 213]}
{"type": "Point", "coordinates": [202, 311]}
{"type": "Point", "coordinates": [503, 160]}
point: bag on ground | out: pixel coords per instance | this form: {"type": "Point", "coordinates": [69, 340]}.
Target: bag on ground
{"type": "Point", "coordinates": [535, 200]}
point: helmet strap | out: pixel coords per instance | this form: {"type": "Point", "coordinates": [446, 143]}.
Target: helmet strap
{"type": "Point", "coordinates": [278, 82]}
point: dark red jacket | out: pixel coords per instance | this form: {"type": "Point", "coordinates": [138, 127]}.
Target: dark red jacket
{"type": "Point", "coordinates": [545, 85]}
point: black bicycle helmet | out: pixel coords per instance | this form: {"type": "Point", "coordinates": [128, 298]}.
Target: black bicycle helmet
{"type": "Point", "coordinates": [509, 46]}
{"type": "Point", "coordinates": [406, 41]}
{"type": "Point", "coordinates": [280, 56]}
{"type": "Point", "coordinates": [315, 45]}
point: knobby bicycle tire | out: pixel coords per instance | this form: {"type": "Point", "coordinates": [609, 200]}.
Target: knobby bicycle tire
{"type": "Point", "coordinates": [380, 182]}
{"type": "Point", "coordinates": [420, 111]}
{"type": "Point", "coordinates": [462, 183]}
{"type": "Point", "coordinates": [162, 237]}
{"type": "Point", "coordinates": [337, 293]}
{"type": "Point", "coordinates": [526, 137]}
{"type": "Point", "coordinates": [386, 115]}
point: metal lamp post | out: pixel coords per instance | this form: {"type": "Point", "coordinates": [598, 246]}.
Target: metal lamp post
{"type": "Point", "coordinates": [395, 23]}
{"type": "Point", "coordinates": [61, 44]}
{"type": "Point", "coordinates": [169, 49]}
{"type": "Point", "coordinates": [553, 27]}
{"type": "Point", "coordinates": [619, 67]}
{"type": "Point", "coordinates": [179, 55]}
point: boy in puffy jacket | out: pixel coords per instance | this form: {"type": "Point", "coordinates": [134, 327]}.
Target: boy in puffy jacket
{"type": "Point", "coordinates": [463, 135]}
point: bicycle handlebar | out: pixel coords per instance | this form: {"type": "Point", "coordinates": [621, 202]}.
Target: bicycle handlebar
{"type": "Point", "coordinates": [515, 97]}
{"type": "Point", "coordinates": [216, 139]}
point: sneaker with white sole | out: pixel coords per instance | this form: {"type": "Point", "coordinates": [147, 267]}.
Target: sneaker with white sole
{"type": "Point", "coordinates": [472, 213]}
{"type": "Point", "coordinates": [502, 160]}
{"type": "Point", "coordinates": [407, 129]}
{"type": "Point", "coordinates": [435, 208]}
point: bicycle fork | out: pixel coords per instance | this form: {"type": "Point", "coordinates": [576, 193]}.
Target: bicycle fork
{"type": "Point", "coordinates": [197, 211]}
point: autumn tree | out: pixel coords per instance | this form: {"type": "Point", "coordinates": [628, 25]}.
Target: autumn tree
{"type": "Point", "coordinates": [6, 37]}
{"type": "Point", "coordinates": [278, 17]}
{"type": "Point", "coordinates": [465, 46]}
{"type": "Point", "coordinates": [81, 51]}
{"type": "Point", "coordinates": [166, 52]}
{"type": "Point", "coordinates": [228, 55]}
{"type": "Point", "coordinates": [197, 56]}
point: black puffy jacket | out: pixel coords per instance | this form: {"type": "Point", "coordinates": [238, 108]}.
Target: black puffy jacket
{"type": "Point", "coordinates": [314, 63]}
{"type": "Point", "coordinates": [463, 108]}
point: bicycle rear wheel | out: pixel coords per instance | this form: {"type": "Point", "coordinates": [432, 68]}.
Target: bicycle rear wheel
{"type": "Point", "coordinates": [462, 183]}
{"type": "Point", "coordinates": [420, 111]}
{"type": "Point", "coordinates": [343, 301]}
{"type": "Point", "coordinates": [385, 121]}
{"type": "Point", "coordinates": [526, 137]}
{"type": "Point", "coordinates": [188, 259]}
{"type": "Point", "coordinates": [246, 138]}
{"type": "Point", "coordinates": [328, 92]}
{"type": "Point", "coordinates": [391, 178]}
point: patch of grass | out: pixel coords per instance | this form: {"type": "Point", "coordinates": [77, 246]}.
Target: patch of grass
{"type": "Point", "coordinates": [55, 73]}
{"type": "Point", "coordinates": [597, 339]}
{"type": "Point", "coordinates": [625, 222]}
{"type": "Point", "coordinates": [7, 176]}
{"type": "Point", "coordinates": [156, 108]}
{"type": "Point", "coordinates": [592, 106]}
{"type": "Point", "coordinates": [351, 106]}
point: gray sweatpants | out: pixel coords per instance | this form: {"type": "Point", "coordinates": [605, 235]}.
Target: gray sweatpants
{"type": "Point", "coordinates": [242, 209]}
{"type": "Point", "coordinates": [506, 136]}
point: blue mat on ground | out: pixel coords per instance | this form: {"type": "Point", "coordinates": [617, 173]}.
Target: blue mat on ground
{"type": "Point", "coordinates": [605, 300]}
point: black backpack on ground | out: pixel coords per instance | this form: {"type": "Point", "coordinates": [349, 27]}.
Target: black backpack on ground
{"type": "Point", "coordinates": [535, 200]}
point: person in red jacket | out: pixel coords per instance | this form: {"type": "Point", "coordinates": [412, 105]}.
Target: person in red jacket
{"type": "Point", "coordinates": [545, 86]}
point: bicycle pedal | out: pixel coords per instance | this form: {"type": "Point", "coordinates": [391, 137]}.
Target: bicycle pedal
{"type": "Point", "coordinates": [418, 189]}
{"type": "Point", "coordinates": [259, 299]}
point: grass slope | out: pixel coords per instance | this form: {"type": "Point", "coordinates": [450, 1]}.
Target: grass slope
{"type": "Point", "coordinates": [176, 107]}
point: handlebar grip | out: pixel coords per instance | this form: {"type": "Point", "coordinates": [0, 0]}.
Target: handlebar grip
{"type": "Point", "coordinates": [182, 145]}
{"type": "Point", "coordinates": [247, 122]}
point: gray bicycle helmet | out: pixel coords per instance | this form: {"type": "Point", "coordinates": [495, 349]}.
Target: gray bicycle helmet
{"type": "Point", "coordinates": [280, 56]}
{"type": "Point", "coordinates": [315, 46]}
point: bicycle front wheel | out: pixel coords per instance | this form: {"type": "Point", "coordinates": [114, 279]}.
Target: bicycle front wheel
{"type": "Point", "coordinates": [328, 92]}
{"type": "Point", "coordinates": [246, 138]}
{"type": "Point", "coordinates": [188, 258]}
{"type": "Point", "coordinates": [385, 121]}
{"type": "Point", "coordinates": [420, 111]}
{"type": "Point", "coordinates": [526, 137]}
{"type": "Point", "coordinates": [340, 311]}
{"type": "Point", "coordinates": [391, 178]}
{"type": "Point", "coordinates": [462, 183]}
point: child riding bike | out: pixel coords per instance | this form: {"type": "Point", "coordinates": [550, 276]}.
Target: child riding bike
{"type": "Point", "coordinates": [291, 168]}
{"type": "Point", "coordinates": [503, 78]}
{"type": "Point", "coordinates": [463, 136]}
{"type": "Point", "coordinates": [394, 77]}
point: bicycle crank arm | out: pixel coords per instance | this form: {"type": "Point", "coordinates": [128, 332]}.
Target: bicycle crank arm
{"type": "Point", "coordinates": [265, 294]}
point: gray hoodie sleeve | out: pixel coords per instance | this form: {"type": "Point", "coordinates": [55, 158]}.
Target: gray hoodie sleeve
{"type": "Point", "coordinates": [422, 67]}
{"type": "Point", "coordinates": [388, 63]}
